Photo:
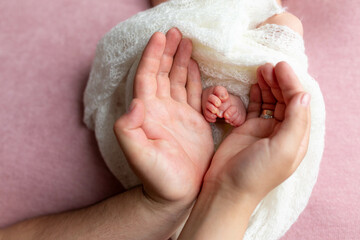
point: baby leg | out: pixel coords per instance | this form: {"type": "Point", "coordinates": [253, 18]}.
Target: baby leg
{"type": "Point", "coordinates": [285, 19]}
{"type": "Point", "coordinates": [218, 103]}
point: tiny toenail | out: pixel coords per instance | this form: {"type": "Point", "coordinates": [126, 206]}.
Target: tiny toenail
{"type": "Point", "coordinates": [221, 113]}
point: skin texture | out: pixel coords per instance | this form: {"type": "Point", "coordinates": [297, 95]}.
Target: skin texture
{"type": "Point", "coordinates": [260, 143]}
{"type": "Point", "coordinates": [130, 215]}
{"type": "Point", "coordinates": [286, 19]}
{"type": "Point", "coordinates": [165, 131]}
{"type": "Point", "coordinates": [255, 158]}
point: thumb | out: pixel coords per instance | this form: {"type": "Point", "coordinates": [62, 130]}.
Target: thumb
{"type": "Point", "coordinates": [129, 133]}
{"type": "Point", "coordinates": [293, 133]}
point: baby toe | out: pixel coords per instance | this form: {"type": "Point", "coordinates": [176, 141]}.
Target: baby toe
{"type": "Point", "coordinates": [233, 116]}
{"type": "Point", "coordinates": [221, 93]}
{"type": "Point", "coordinates": [230, 113]}
{"type": "Point", "coordinates": [214, 100]}
{"type": "Point", "coordinates": [210, 117]}
{"type": "Point", "coordinates": [238, 121]}
{"type": "Point", "coordinates": [212, 108]}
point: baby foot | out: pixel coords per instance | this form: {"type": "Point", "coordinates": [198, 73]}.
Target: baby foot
{"type": "Point", "coordinates": [218, 103]}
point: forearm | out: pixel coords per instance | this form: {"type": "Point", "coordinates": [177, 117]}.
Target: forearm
{"type": "Point", "coordinates": [130, 215]}
{"type": "Point", "coordinates": [218, 214]}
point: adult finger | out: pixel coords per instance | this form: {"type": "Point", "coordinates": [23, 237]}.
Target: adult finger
{"type": "Point", "coordinates": [268, 73]}
{"type": "Point", "coordinates": [304, 144]}
{"type": "Point", "coordinates": [129, 133]}
{"type": "Point", "coordinates": [293, 131]}
{"type": "Point", "coordinates": [193, 86]}
{"type": "Point", "coordinates": [173, 38]}
{"type": "Point", "coordinates": [145, 84]}
{"type": "Point", "coordinates": [254, 107]}
{"type": "Point", "coordinates": [178, 73]}
{"type": "Point", "coordinates": [264, 75]}
{"type": "Point", "coordinates": [295, 126]}
{"type": "Point", "coordinates": [287, 81]}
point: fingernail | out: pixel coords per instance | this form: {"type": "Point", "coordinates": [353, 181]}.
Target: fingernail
{"type": "Point", "coordinates": [305, 99]}
{"type": "Point", "coordinates": [132, 106]}
{"type": "Point", "coordinates": [221, 114]}
{"type": "Point", "coordinates": [218, 103]}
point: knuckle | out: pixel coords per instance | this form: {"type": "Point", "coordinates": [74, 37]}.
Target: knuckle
{"type": "Point", "coordinates": [118, 125]}
{"type": "Point", "coordinates": [267, 69]}
{"type": "Point", "coordinates": [281, 66]}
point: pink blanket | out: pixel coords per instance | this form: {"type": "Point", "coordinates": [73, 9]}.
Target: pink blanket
{"type": "Point", "coordinates": [49, 161]}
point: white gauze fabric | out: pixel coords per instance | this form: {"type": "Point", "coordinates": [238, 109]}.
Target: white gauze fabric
{"type": "Point", "coordinates": [228, 48]}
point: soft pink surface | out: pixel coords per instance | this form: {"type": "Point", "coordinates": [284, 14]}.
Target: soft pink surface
{"type": "Point", "coordinates": [49, 161]}
{"type": "Point", "coordinates": [332, 37]}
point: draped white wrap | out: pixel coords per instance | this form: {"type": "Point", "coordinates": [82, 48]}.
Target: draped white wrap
{"type": "Point", "coordinates": [228, 48]}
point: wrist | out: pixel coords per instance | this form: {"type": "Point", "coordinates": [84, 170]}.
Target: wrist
{"type": "Point", "coordinates": [233, 185]}
{"type": "Point", "coordinates": [158, 205]}
{"type": "Point", "coordinates": [224, 187]}
{"type": "Point", "coordinates": [218, 206]}
{"type": "Point", "coordinates": [230, 195]}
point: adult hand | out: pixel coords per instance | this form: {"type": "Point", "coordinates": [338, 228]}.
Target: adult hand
{"type": "Point", "coordinates": [165, 138]}
{"type": "Point", "coordinates": [254, 158]}
{"type": "Point", "coordinates": [262, 153]}
{"type": "Point", "coordinates": [167, 142]}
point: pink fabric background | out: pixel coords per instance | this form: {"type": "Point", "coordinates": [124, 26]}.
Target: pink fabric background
{"type": "Point", "coordinates": [49, 161]}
